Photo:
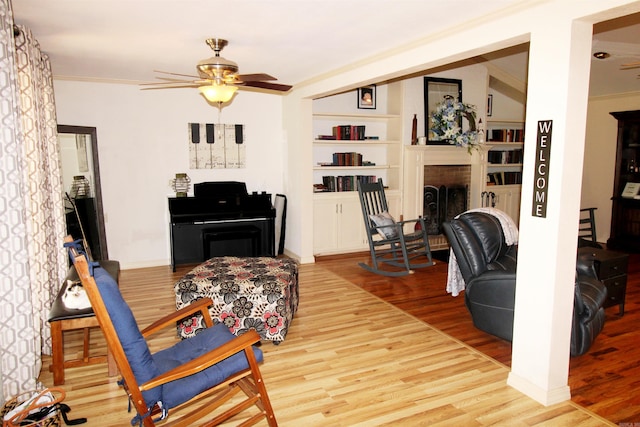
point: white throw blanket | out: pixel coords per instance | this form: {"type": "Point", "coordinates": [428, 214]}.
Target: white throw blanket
{"type": "Point", "coordinates": [455, 282]}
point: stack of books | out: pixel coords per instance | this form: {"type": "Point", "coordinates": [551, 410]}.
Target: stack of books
{"type": "Point", "coordinates": [347, 159]}
{"type": "Point", "coordinates": [504, 178]}
{"type": "Point", "coordinates": [505, 135]}
{"type": "Point", "coordinates": [346, 132]}
{"type": "Point", "coordinates": [344, 182]}
{"type": "Point", "coordinates": [505, 157]}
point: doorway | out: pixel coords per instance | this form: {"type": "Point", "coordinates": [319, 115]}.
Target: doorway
{"type": "Point", "coordinates": [81, 186]}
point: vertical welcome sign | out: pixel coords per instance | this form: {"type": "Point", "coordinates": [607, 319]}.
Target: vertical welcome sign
{"type": "Point", "coordinates": [541, 178]}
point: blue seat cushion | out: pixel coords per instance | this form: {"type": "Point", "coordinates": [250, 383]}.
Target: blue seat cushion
{"type": "Point", "coordinates": [133, 343]}
{"type": "Point", "coordinates": [145, 366]}
{"type": "Point", "coordinates": [179, 391]}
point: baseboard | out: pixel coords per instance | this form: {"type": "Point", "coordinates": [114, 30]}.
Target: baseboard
{"type": "Point", "coordinates": [144, 264]}
{"type": "Point", "coordinates": [545, 397]}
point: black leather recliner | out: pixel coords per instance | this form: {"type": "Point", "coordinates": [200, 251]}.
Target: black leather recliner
{"type": "Point", "coordinates": [588, 306]}
{"type": "Point", "coordinates": [488, 267]}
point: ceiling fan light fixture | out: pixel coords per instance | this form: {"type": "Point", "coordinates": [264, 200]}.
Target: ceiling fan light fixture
{"type": "Point", "coordinates": [601, 55]}
{"type": "Point", "coordinates": [217, 78]}
{"type": "Point", "coordinates": [216, 66]}
{"type": "Point", "coordinates": [218, 93]}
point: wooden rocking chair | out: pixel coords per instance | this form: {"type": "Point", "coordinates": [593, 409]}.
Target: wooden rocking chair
{"type": "Point", "coordinates": [388, 242]}
{"type": "Point", "coordinates": [200, 373]}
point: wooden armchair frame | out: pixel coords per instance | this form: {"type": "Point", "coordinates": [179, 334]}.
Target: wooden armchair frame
{"type": "Point", "coordinates": [249, 381]}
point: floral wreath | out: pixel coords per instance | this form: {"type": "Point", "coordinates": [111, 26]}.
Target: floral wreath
{"type": "Point", "coordinates": [447, 121]}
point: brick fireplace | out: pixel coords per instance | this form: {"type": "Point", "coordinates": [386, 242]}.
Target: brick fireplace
{"type": "Point", "coordinates": [439, 166]}
{"type": "Point", "coordinates": [446, 194]}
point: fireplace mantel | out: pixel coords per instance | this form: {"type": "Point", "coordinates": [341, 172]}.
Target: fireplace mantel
{"type": "Point", "coordinates": [443, 154]}
{"type": "Point", "coordinates": [416, 157]}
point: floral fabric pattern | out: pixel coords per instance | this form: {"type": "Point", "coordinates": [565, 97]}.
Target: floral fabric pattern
{"type": "Point", "coordinates": [258, 293]}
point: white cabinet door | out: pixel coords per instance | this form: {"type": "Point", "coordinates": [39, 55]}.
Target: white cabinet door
{"type": "Point", "coordinates": [351, 231]}
{"type": "Point", "coordinates": [508, 200]}
{"type": "Point", "coordinates": [325, 225]}
{"type": "Point", "coordinates": [393, 201]}
{"type": "Point", "coordinates": [338, 225]}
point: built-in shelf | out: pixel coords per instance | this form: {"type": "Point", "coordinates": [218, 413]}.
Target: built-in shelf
{"type": "Point", "coordinates": [353, 142]}
{"type": "Point", "coordinates": [338, 222]}
{"type": "Point", "coordinates": [356, 116]}
{"type": "Point", "coordinates": [343, 168]}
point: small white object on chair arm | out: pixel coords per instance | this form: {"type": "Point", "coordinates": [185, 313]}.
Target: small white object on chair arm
{"type": "Point", "coordinates": [385, 225]}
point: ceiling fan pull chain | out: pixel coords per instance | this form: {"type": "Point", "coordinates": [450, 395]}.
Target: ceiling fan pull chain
{"type": "Point", "coordinates": [219, 122]}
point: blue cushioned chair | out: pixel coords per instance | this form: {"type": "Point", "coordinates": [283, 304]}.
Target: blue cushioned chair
{"type": "Point", "coordinates": [210, 367]}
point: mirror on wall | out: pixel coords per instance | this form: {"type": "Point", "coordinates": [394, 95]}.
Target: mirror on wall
{"type": "Point", "coordinates": [81, 185]}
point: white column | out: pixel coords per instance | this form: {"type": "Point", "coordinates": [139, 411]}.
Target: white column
{"type": "Point", "coordinates": [558, 85]}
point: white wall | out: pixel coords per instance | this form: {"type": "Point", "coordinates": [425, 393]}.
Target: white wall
{"type": "Point", "coordinates": [505, 108]}
{"type": "Point", "coordinates": [143, 142]}
{"type": "Point", "coordinates": [600, 156]}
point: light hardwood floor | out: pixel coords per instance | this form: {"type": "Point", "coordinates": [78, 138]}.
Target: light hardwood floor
{"type": "Point", "coordinates": [350, 358]}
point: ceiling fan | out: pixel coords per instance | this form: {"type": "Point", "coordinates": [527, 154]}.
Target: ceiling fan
{"type": "Point", "coordinates": [217, 78]}
{"type": "Point", "coordinates": [630, 65]}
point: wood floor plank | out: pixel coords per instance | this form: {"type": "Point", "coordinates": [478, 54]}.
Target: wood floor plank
{"type": "Point", "coordinates": [350, 358]}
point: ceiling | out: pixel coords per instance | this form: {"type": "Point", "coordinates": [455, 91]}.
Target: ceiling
{"type": "Point", "coordinates": [293, 40]}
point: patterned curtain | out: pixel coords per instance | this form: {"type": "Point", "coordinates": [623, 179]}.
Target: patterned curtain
{"type": "Point", "coordinates": [32, 223]}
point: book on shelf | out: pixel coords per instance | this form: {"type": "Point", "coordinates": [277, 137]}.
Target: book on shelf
{"type": "Point", "coordinates": [320, 188]}
{"type": "Point", "coordinates": [334, 137]}
{"type": "Point", "coordinates": [497, 157]}
{"type": "Point", "coordinates": [331, 183]}
{"type": "Point", "coordinates": [504, 178]}
{"type": "Point", "coordinates": [512, 178]}
{"type": "Point", "coordinates": [347, 159]}
{"type": "Point", "coordinates": [349, 132]}
{"type": "Point", "coordinates": [631, 190]}
{"type": "Point", "coordinates": [505, 135]}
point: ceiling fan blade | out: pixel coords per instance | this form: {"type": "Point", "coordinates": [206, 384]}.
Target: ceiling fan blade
{"type": "Point", "coordinates": [171, 82]}
{"type": "Point", "coordinates": [255, 77]}
{"type": "Point", "coordinates": [171, 79]}
{"type": "Point", "coordinates": [175, 86]}
{"type": "Point", "coordinates": [176, 74]}
{"type": "Point", "coordinates": [266, 85]}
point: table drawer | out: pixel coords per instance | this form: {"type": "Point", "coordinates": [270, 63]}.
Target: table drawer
{"type": "Point", "coordinates": [611, 267]}
{"type": "Point", "coordinates": [616, 289]}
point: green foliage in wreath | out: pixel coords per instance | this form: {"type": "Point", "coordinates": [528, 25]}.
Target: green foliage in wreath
{"type": "Point", "coordinates": [447, 124]}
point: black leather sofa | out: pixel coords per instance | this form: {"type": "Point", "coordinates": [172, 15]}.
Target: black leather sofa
{"type": "Point", "coordinates": [488, 267]}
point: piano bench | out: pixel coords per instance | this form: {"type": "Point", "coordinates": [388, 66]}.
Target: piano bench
{"type": "Point", "coordinates": [231, 233]}
{"type": "Point", "coordinates": [258, 293]}
{"type": "Point", "coordinates": [64, 319]}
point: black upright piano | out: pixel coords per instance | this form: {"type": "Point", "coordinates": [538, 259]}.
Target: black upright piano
{"type": "Point", "coordinates": [221, 219]}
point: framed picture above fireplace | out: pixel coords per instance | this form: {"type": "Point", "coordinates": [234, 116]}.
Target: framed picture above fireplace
{"type": "Point", "coordinates": [436, 90]}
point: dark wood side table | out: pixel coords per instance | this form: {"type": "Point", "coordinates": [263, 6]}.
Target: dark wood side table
{"type": "Point", "coordinates": [611, 268]}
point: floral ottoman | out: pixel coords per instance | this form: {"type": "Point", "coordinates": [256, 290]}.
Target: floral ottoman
{"type": "Point", "coordinates": [258, 293]}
